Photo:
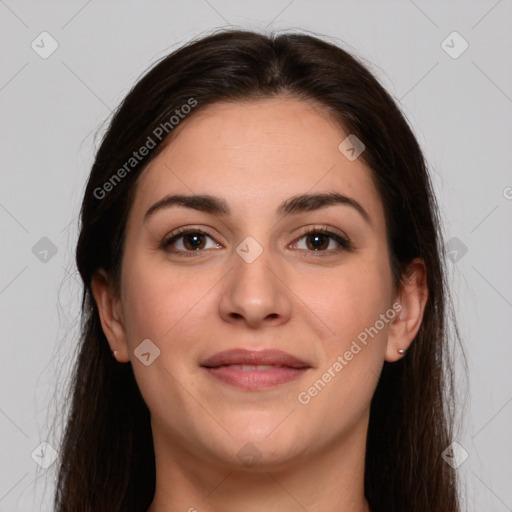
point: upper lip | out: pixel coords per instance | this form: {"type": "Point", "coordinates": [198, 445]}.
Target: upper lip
{"type": "Point", "coordinates": [252, 357]}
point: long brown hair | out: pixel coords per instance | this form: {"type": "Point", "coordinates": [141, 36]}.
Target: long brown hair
{"type": "Point", "coordinates": [107, 459]}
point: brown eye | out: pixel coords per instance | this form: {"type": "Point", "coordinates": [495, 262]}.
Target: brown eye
{"type": "Point", "coordinates": [194, 241]}
{"type": "Point", "coordinates": [317, 241]}
{"type": "Point", "coordinates": [189, 241]}
{"type": "Point", "coordinates": [322, 241]}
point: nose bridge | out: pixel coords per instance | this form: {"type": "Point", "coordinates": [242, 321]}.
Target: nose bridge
{"type": "Point", "coordinates": [252, 292]}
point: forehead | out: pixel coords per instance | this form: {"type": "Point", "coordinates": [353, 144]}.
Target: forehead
{"type": "Point", "coordinates": [258, 152]}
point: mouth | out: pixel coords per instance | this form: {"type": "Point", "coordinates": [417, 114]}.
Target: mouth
{"type": "Point", "coordinates": [254, 370]}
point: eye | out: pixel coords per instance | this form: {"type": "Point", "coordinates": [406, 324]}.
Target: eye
{"type": "Point", "coordinates": [189, 240]}
{"type": "Point", "coordinates": [321, 240]}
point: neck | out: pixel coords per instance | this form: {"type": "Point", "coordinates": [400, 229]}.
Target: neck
{"type": "Point", "coordinates": [330, 479]}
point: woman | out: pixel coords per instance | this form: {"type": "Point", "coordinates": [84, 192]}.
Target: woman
{"type": "Point", "coordinates": [264, 307]}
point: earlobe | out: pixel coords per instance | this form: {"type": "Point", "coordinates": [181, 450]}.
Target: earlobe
{"type": "Point", "coordinates": [412, 298]}
{"type": "Point", "coordinates": [110, 313]}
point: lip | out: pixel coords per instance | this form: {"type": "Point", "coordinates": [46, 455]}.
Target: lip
{"type": "Point", "coordinates": [227, 367]}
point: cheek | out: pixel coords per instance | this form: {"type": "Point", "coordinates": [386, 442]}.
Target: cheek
{"type": "Point", "coordinates": [351, 305]}
{"type": "Point", "coordinates": [348, 300]}
{"type": "Point", "coordinates": [168, 309]}
{"type": "Point", "coordinates": [159, 303]}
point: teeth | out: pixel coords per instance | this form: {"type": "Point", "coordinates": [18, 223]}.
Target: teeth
{"type": "Point", "coordinates": [252, 367]}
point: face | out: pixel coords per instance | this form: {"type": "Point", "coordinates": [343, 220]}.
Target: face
{"type": "Point", "coordinates": [287, 252]}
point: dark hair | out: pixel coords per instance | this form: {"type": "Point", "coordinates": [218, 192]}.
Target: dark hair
{"type": "Point", "coordinates": [107, 457]}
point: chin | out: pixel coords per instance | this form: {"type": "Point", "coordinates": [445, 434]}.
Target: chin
{"type": "Point", "coordinates": [264, 451]}
{"type": "Point", "coordinates": [259, 456]}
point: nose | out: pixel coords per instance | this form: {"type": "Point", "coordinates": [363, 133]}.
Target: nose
{"type": "Point", "coordinates": [253, 296]}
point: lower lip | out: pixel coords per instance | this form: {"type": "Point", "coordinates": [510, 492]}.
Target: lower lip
{"type": "Point", "coordinates": [255, 379]}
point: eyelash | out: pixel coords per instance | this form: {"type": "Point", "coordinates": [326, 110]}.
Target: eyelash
{"type": "Point", "coordinates": [344, 243]}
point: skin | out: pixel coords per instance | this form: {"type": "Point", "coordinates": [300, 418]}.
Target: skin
{"type": "Point", "coordinates": [309, 303]}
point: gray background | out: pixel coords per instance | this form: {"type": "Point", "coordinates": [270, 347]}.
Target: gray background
{"type": "Point", "coordinates": [53, 111]}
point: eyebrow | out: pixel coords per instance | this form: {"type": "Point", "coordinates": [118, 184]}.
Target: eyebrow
{"type": "Point", "coordinates": [296, 204]}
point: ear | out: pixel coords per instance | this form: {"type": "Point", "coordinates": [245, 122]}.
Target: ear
{"type": "Point", "coordinates": [412, 296]}
{"type": "Point", "coordinates": [109, 308]}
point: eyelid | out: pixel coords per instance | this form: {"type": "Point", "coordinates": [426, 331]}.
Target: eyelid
{"type": "Point", "coordinates": [323, 228]}
{"type": "Point", "coordinates": [343, 241]}
{"type": "Point", "coordinates": [334, 233]}
{"type": "Point", "coordinates": [182, 231]}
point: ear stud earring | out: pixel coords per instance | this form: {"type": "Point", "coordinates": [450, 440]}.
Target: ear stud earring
{"type": "Point", "coordinates": [114, 353]}
{"type": "Point", "coordinates": [401, 351]}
